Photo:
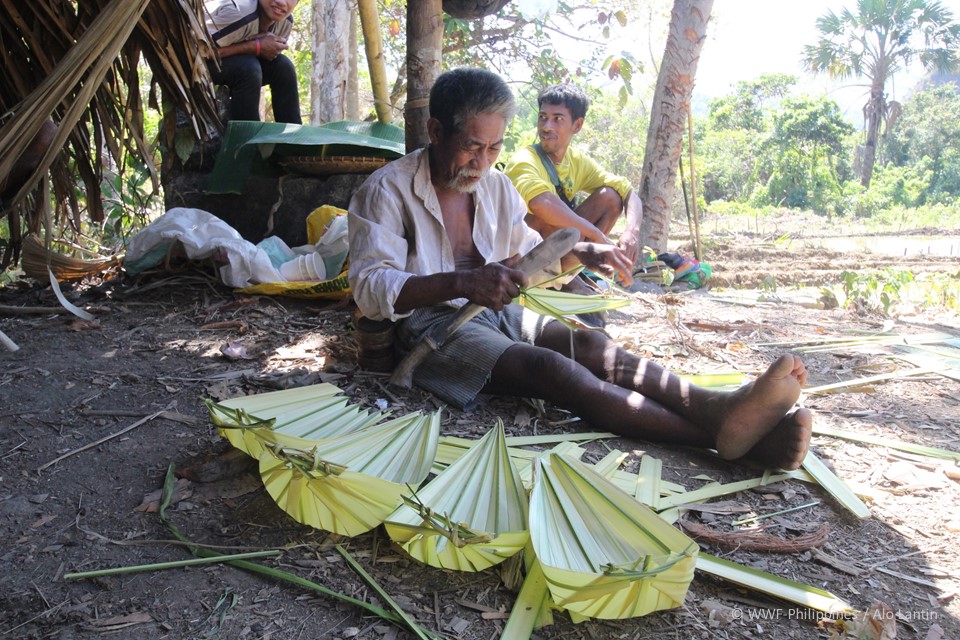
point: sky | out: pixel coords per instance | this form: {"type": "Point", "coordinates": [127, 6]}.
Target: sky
{"type": "Point", "coordinates": [746, 38]}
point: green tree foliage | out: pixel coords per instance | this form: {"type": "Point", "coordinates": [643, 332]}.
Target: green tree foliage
{"type": "Point", "coordinates": [774, 149]}
{"type": "Point", "coordinates": [875, 41]}
{"type": "Point", "coordinates": [926, 140]}
{"type": "Point", "coordinates": [744, 108]}
{"type": "Point", "coordinates": [615, 134]}
{"type": "Point", "coordinates": [537, 52]}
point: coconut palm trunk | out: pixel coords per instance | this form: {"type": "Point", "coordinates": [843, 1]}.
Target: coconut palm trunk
{"type": "Point", "coordinates": [874, 112]}
{"type": "Point", "coordinates": [671, 102]}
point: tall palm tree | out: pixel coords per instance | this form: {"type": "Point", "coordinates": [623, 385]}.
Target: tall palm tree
{"type": "Point", "coordinates": [877, 41]}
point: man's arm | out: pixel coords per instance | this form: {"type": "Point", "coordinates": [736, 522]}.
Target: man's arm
{"type": "Point", "coordinates": [493, 285]}
{"type": "Point", "coordinates": [551, 210]}
{"type": "Point", "coordinates": [264, 45]}
{"type": "Point", "coordinates": [528, 175]}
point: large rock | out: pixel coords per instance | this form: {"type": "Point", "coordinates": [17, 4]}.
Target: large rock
{"type": "Point", "coordinates": [268, 205]}
{"type": "Point", "coordinates": [252, 213]}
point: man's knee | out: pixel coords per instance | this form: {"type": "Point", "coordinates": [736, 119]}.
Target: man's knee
{"type": "Point", "coordinates": [240, 72]}
{"type": "Point", "coordinates": [284, 68]}
{"type": "Point", "coordinates": [602, 208]}
{"type": "Point", "coordinates": [544, 368]}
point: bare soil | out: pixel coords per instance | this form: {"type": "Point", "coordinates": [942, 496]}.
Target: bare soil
{"type": "Point", "coordinates": [71, 487]}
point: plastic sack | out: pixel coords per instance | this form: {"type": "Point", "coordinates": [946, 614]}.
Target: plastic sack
{"type": "Point", "coordinates": [202, 235]}
{"type": "Point", "coordinates": [324, 221]}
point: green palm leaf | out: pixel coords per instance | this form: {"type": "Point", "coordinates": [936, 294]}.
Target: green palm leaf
{"type": "Point", "coordinates": [604, 554]}
{"type": "Point", "coordinates": [350, 483]}
{"type": "Point", "coordinates": [291, 417]}
{"type": "Point", "coordinates": [472, 516]}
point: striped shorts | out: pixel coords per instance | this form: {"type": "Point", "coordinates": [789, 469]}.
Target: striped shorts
{"type": "Point", "coordinates": [459, 370]}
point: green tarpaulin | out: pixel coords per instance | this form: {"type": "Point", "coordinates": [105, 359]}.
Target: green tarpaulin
{"type": "Point", "coordinates": [254, 147]}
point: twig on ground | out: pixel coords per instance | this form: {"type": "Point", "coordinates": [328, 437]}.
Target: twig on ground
{"type": "Point", "coordinates": [174, 564]}
{"type": "Point", "coordinates": [101, 440]}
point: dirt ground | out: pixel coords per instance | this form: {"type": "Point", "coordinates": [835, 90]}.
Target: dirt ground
{"type": "Point", "coordinates": [93, 413]}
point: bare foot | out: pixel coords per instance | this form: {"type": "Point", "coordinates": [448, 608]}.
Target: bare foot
{"type": "Point", "coordinates": [786, 445]}
{"type": "Point", "coordinates": [752, 412]}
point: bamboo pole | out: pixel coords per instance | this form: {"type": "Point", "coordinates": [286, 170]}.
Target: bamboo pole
{"type": "Point", "coordinates": [686, 204]}
{"type": "Point", "coordinates": [698, 253]}
{"type": "Point", "coordinates": [373, 45]}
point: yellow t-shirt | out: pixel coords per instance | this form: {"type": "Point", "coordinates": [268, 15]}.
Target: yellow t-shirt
{"type": "Point", "coordinates": [578, 172]}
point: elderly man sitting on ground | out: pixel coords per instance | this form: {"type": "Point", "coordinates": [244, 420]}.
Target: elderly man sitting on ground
{"type": "Point", "coordinates": [438, 228]}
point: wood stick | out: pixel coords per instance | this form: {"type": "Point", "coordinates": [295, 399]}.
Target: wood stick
{"type": "Point", "coordinates": [102, 440]}
{"type": "Point", "coordinates": [8, 343]}
{"type": "Point", "coordinates": [11, 310]}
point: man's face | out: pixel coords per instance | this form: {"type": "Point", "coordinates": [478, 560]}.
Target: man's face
{"type": "Point", "coordinates": [556, 128]}
{"type": "Point", "coordinates": [277, 10]}
{"type": "Point", "coordinates": [460, 161]}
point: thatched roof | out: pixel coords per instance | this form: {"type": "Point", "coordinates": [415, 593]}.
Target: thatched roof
{"type": "Point", "coordinates": [77, 63]}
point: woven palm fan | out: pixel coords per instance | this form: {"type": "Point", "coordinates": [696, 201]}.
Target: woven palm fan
{"type": "Point", "coordinates": [35, 257]}
{"type": "Point", "coordinates": [603, 553]}
{"type": "Point", "coordinates": [470, 517]}
{"type": "Point", "coordinates": [350, 483]}
{"type": "Point", "coordinates": [291, 417]}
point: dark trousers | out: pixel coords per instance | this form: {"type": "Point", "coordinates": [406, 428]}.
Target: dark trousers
{"type": "Point", "coordinates": [246, 74]}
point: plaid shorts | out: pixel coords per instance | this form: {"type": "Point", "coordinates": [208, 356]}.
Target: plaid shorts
{"type": "Point", "coordinates": [459, 370]}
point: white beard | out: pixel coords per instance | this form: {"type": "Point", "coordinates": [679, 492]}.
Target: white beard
{"type": "Point", "coordinates": [457, 186]}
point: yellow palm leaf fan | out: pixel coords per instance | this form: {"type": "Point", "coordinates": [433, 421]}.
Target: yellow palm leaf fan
{"type": "Point", "coordinates": [603, 553]}
{"type": "Point", "coordinates": [471, 516]}
{"type": "Point", "coordinates": [291, 417]}
{"type": "Point", "coordinates": [350, 483]}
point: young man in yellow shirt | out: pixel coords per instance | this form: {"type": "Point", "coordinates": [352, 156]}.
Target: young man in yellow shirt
{"type": "Point", "coordinates": [549, 175]}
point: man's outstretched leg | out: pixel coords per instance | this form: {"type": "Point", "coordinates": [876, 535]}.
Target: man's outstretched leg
{"type": "Point", "coordinates": [634, 397]}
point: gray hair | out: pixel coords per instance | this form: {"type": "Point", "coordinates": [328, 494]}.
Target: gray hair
{"type": "Point", "coordinates": [463, 93]}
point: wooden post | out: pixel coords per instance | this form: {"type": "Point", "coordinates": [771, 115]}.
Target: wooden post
{"type": "Point", "coordinates": [424, 44]}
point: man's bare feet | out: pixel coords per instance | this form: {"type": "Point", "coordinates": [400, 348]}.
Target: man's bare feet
{"type": "Point", "coordinates": [786, 445]}
{"type": "Point", "coordinates": [752, 412]}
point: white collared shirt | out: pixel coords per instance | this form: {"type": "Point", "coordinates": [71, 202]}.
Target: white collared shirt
{"type": "Point", "coordinates": [396, 231]}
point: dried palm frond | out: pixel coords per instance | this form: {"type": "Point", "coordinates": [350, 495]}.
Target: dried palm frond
{"type": "Point", "coordinates": [36, 257]}
{"type": "Point", "coordinates": [78, 63]}
{"type": "Point", "coordinates": [755, 540]}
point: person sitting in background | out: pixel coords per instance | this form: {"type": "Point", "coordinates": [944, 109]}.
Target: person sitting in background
{"type": "Point", "coordinates": [550, 174]}
{"type": "Point", "coordinates": [251, 36]}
